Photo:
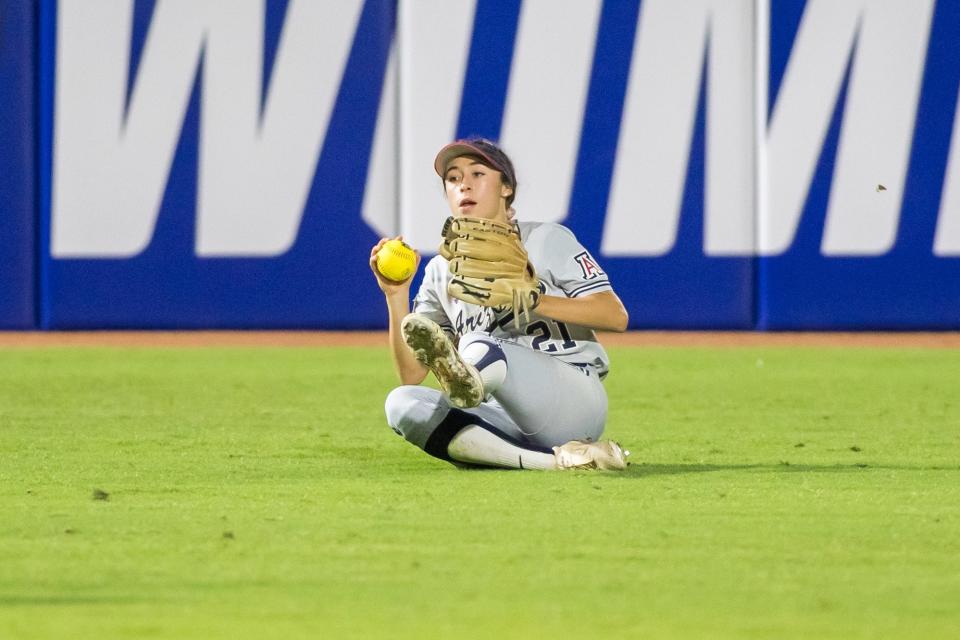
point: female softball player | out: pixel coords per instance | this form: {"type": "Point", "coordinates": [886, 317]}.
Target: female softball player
{"type": "Point", "coordinates": [522, 381]}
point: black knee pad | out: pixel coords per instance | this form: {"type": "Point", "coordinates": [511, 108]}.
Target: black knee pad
{"type": "Point", "coordinates": [446, 431]}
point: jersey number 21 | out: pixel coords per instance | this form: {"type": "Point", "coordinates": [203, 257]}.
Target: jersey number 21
{"type": "Point", "coordinates": [543, 332]}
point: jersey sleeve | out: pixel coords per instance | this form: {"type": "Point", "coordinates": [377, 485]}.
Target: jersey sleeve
{"type": "Point", "coordinates": [567, 263]}
{"type": "Point", "coordinates": [429, 298]}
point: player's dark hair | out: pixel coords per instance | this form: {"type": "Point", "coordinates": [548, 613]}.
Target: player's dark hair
{"type": "Point", "coordinates": [495, 157]}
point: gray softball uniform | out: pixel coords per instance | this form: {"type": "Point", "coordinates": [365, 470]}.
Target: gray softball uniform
{"type": "Point", "coordinates": [552, 391]}
{"type": "Point", "coordinates": [565, 269]}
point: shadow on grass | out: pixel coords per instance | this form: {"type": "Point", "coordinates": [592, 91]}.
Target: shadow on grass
{"type": "Point", "coordinates": [643, 469]}
{"type": "Point", "coordinates": [639, 470]}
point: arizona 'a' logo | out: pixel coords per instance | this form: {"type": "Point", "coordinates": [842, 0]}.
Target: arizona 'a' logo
{"type": "Point", "coordinates": [588, 265]}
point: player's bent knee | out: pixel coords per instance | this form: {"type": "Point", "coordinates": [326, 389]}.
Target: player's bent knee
{"type": "Point", "coordinates": [490, 344]}
{"type": "Point", "coordinates": [488, 357]}
{"type": "Point", "coordinates": [399, 407]}
{"type": "Point", "coordinates": [413, 412]}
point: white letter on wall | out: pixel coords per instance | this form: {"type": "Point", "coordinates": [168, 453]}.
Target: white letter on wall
{"type": "Point", "coordinates": [543, 115]}
{"type": "Point", "coordinates": [878, 122]}
{"type": "Point", "coordinates": [255, 170]}
{"type": "Point", "coordinates": [434, 41]}
{"type": "Point", "coordinates": [657, 125]}
{"type": "Point", "coordinates": [110, 168]}
{"type": "Point", "coordinates": [947, 239]}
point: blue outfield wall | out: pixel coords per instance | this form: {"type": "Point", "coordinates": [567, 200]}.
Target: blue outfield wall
{"type": "Point", "coordinates": [906, 286]}
{"type": "Point", "coordinates": [682, 288]}
{"type": "Point", "coordinates": [195, 169]}
{"type": "Point", "coordinates": [17, 180]}
{"type": "Point", "coordinates": [321, 281]}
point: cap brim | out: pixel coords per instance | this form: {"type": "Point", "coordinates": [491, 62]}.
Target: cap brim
{"type": "Point", "coordinates": [457, 149]}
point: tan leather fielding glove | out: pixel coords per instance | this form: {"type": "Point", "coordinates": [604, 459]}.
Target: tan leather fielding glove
{"type": "Point", "coordinates": [490, 266]}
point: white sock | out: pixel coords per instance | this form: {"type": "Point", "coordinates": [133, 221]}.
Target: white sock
{"type": "Point", "coordinates": [492, 373]}
{"type": "Point", "coordinates": [476, 445]}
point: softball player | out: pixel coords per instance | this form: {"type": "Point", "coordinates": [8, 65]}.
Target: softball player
{"type": "Point", "coordinates": [520, 390]}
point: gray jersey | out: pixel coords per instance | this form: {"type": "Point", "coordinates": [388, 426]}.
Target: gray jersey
{"type": "Point", "coordinates": [564, 267]}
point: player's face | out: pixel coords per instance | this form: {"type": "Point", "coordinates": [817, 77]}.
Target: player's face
{"type": "Point", "coordinates": [475, 190]}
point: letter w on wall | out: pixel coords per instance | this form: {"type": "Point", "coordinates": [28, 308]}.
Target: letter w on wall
{"type": "Point", "coordinates": [111, 161]}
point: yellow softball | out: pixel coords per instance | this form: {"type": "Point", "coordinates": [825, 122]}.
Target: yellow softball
{"type": "Point", "coordinates": [396, 260]}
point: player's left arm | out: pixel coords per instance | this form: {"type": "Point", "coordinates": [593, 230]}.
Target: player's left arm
{"type": "Point", "coordinates": [589, 299]}
{"type": "Point", "coordinates": [602, 310]}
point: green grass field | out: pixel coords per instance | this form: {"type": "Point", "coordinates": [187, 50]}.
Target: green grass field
{"type": "Point", "coordinates": [258, 493]}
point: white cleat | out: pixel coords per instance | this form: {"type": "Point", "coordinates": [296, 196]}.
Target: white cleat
{"type": "Point", "coordinates": [605, 455]}
{"type": "Point", "coordinates": [433, 348]}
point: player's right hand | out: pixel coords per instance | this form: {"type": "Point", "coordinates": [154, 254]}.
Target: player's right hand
{"type": "Point", "coordinates": [389, 287]}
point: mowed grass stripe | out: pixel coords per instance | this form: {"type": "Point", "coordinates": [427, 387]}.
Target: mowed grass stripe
{"type": "Point", "coordinates": [258, 493]}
